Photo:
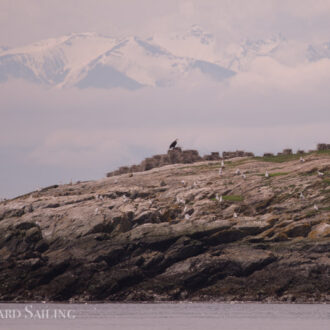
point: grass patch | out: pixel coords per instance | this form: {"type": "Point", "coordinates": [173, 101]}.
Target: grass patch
{"type": "Point", "coordinates": [233, 198]}
{"type": "Point", "coordinates": [274, 174]}
{"type": "Point", "coordinates": [278, 159]}
{"type": "Point", "coordinates": [326, 181]}
{"type": "Point", "coordinates": [278, 174]}
{"type": "Point", "coordinates": [322, 152]}
{"type": "Point", "coordinates": [202, 167]}
{"type": "Point", "coordinates": [230, 163]}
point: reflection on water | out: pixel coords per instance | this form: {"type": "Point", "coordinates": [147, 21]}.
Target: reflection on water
{"type": "Point", "coordinates": [164, 316]}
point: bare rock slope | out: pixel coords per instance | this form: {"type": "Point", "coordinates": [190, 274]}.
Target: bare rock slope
{"type": "Point", "coordinates": [178, 232]}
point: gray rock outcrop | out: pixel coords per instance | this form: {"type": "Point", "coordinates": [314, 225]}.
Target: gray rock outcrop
{"type": "Point", "coordinates": [177, 232]}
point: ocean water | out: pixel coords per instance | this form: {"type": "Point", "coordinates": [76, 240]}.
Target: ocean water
{"type": "Point", "coordinates": [171, 316]}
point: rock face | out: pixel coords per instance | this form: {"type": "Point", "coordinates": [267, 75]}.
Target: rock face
{"type": "Point", "coordinates": [178, 232]}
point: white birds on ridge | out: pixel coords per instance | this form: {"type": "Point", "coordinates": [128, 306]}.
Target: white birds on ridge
{"type": "Point", "coordinates": [266, 174]}
{"type": "Point", "coordinates": [187, 216]}
{"type": "Point", "coordinates": [235, 215]}
{"type": "Point", "coordinates": [180, 200]}
{"type": "Point", "coordinates": [302, 160]}
{"type": "Point", "coordinates": [97, 196]}
{"type": "Point", "coordinates": [218, 198]}
{"type": "Point", "coordinates": [316, 207]}
{"type": "Point", "coordinates": [222, 163]}
{"type": "Point", "coordinates": [238, 172]}
{"type": "Point", "coordinates": [319, 173]}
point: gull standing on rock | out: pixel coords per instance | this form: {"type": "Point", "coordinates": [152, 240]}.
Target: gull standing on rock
{"type": "Point", "coordinates": [235, 215]}
{"type": "Point", "coordinates": [302, 159]}
{"type": "Point", "coordinates": [319, 173]}
{"type": "Point", "coordinates": [238, 172]}
{"type": "Point", "coordinates": [316, 207]}
{"type": "Point", "coordinates": [267, 174]}
{"type": "Point", "coordinates": [179, 200]}
{"type": "Point", "coordinates": [222, 163]}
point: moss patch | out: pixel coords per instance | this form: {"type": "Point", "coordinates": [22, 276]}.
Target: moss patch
{"type": "Point", "coordinates": [278, 159]}
{"type": "Point", "coordinates": [233, 198]}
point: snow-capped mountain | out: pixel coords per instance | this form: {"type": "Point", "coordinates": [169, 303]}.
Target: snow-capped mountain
{"type": "Point", "coordinates": [194, 43]}
{"type": "Point", "coordinates": [318, 52]}
{"type": "Point", "coordinates": [88, 60]}
{"type": "Point", "coordinates": [237, 57]}
{"type": "Point", "coordinates": [91, 60]}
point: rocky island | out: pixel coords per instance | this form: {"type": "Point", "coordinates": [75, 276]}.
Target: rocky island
{"type": "Point", "coordinates": [231, 228]}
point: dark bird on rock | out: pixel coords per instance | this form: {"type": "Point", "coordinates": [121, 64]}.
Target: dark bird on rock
{"type": "Point", "coordinates": [173, 144]}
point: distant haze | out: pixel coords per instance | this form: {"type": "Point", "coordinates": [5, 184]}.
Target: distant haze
{"type": "Point", "coordinates": [113, 82]}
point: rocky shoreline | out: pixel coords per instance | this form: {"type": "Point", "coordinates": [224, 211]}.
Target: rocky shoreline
{"type": "Point", "coordinates": [173, 233]}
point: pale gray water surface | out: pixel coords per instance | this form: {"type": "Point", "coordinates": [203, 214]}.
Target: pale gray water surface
{"type": "Point", "coordinates": [205, 316]}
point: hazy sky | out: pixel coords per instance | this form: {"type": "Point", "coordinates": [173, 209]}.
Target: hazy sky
{"type": "Point", "coordinates": [24, 21]}
{"type": "Point", "coordinates": [49, 135]}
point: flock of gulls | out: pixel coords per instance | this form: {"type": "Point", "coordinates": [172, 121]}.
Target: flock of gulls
{"type": "Point", "coordinates": [218, 198]}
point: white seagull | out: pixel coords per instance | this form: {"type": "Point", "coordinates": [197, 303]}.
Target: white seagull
{"type": "Point", "coordinates": [222, 163]}
{"type": "Point", "coordinates": [238, 172]}
{"type": "Point", "coordinates": [316, 207]}
{"type": "Point", "coordinates": [320, 173]}
{"type": "Point", "coordinates": [243, 176]}
{"type": "Point", "coordinates": [235, 215]}
{"type": "Point", "coordinates": [267, 174]}
{"type": "Point", "coordinates": [187, 216]}
{"type": "Point", "coordinates": [179, 200]}
{"type": "Point", "coordinates": [302, 159]}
